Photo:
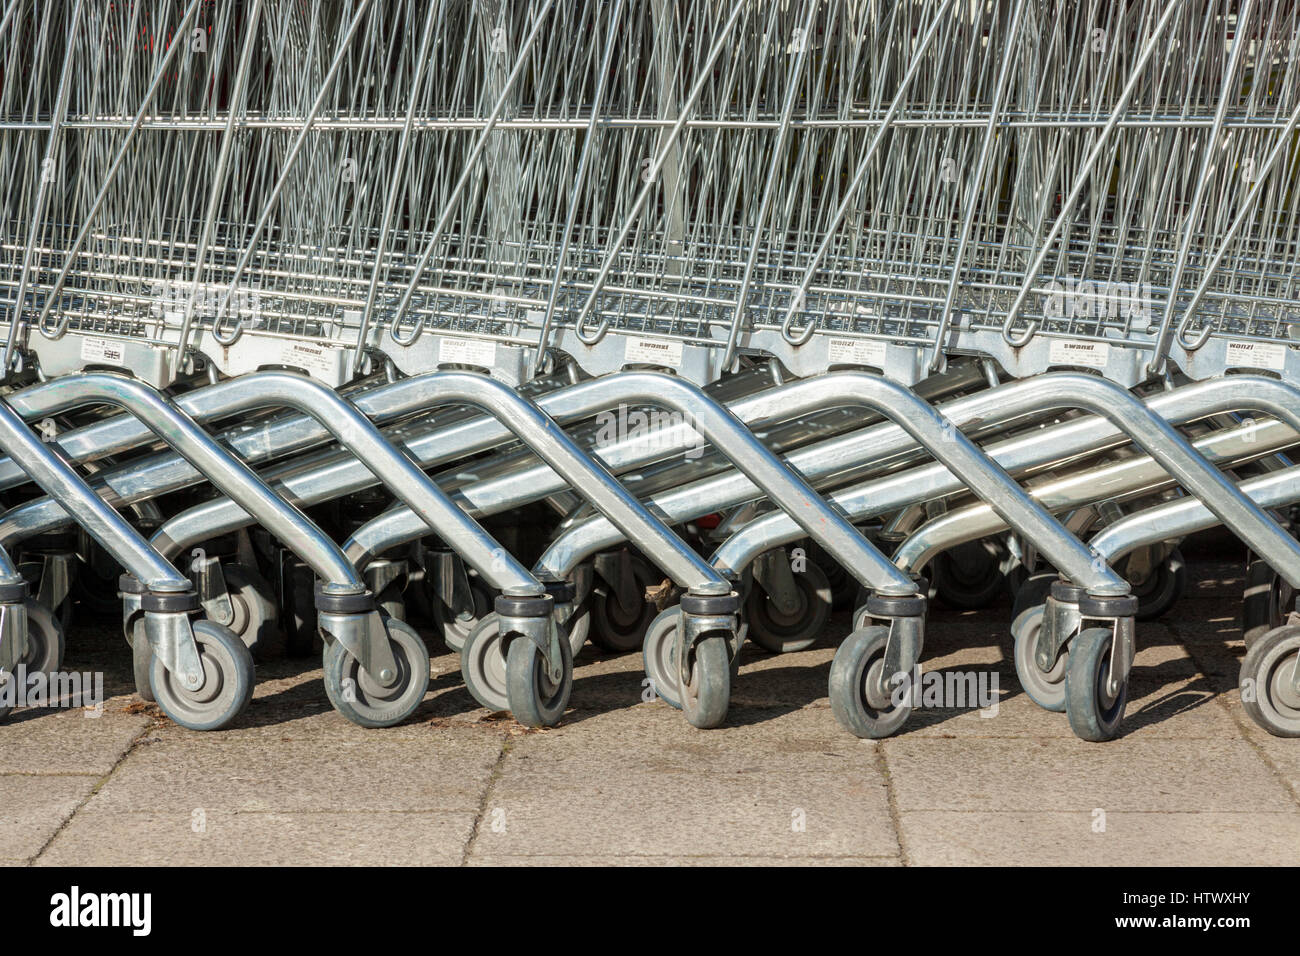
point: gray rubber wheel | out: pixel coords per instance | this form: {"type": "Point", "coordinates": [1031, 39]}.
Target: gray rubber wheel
{"type": "Point", "coordinates": [1094, 714]}
{"type": "Point", "coordinates": [142, 662]}
{"type": "Point", "coordinates": [45, 642]}
{"type": "Point", "coordinates": [1160, 590]}
{"type": "Point", "coordinates": [392, 601]}
{"type": "Point", "coordinates": [363, 700]}
{"type": "Point", "coordinates": [256, 617]}
{"type": "Point", "coordinates": [1033, 592]}
{"type": "Point", "coordinates": [855, 677]}
{"type": "Point", "coordinates": [578, 627]}
{"type": "Point", "coordinates": [456, 629]}
{"type": "Point", "coordinates": [659, 654]}
{"type": "Point", "coordinates": [781, 633]}
{"type": "Point", "coordinates": [615, 628]}
{"type": "Point", "coordinates": [1266, 602]}
{"type": "Point", "coordinates": [1270, 665]}
{"type": "Point", "coordinates": [227, 686]}
{"type": "Point", "coordinates": [707, 694]}
{"type": "Point", "coordinates": [483, 665]}
{"type": "Point", "coordinates": [301, 633]}
{"type": "Point", "coordinates": [968, 576]}
{"type": "Point", "coordinates": [535, 699]}
{"type": "Point", "coordinates": [1045, 688]}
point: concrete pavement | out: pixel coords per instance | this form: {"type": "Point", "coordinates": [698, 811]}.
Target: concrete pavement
{"type": "Point", "coordinates": [1192, 780]}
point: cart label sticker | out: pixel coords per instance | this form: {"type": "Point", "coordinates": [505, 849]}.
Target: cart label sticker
{"type": "Point", "coordinates": [103, 351]}
{"type": "Point", "coordinates": [653, 352]}
{"type": "Point", "coordinates": [1087, 354]}
{"type": "Point", "coordinates": [310, 358]}
{"type": "Point", "coordinates": [1256, 355]}
{"type": "Point", "coordinates": [856, 352]}
{"type": "Point", "coordinates": [467, 352]}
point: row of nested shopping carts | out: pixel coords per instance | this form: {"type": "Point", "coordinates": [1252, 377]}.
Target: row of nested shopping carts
{"type": "Point", "coordinates": [665, 324]}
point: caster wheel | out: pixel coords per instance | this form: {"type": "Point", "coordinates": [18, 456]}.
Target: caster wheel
{"type": "Point", "coordinates": [615, 628]}
{"type": "Point", "coordinates": [1045, 688]}
{"type": "Point", "coordinates": [1032, 592]}
{"type": "Point", "coordinates": [969, 576]}
{"type": "Point", "coordinates": [707, 694]}
{"type": "Point", "coordinates": [456, 629]}
{"type": "Point", "coordinates": [483, 665]}
{"type": "Point", "coordinates": [227, 685]}
{"type": "Point", "coordinates": [856, 700]}
{"type": "Point", "coordinates": [659, 653]}
{"type": "Point", "coordinates": [579, 627]}
{"type": "Point", "coordinates": [301, 635]}
{"type": "Point", "coordinates": [1094, 714]}
{"type": "Point", "coordinates": [392, 601]}
{"type": "Point", "coordinates": [1267, 601]}
{"type": "Point", "coordinates": [535, 699]}
{"type": "Point", "coordinates": [45, 643]}
{"type": "Point", "coordinates": [94, 587]}
{"type": "Point", "coordinates": [256, 618]}
{"type": "Point", "coordinates": [361, 698]}
{"type": "Point", "coordinates": [1269, 665]}
{"type": "Point", "coordinates": [142, 663]}
{"type": "Point", "coordinates": [1160, 590]}
{"type": "Point", "coordinates": [784, 633]}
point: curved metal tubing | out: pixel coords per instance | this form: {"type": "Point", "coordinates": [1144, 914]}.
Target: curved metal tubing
{"type": "Point", "coordinates": [1127, 476]}
{"type": "Point", "coordinates": [409, 483]}
{"type": "Point", "coordinates": [307, 483]}
{"type": "Point", "coordinates": [278, 436]}
{"type": "Point", "coordinates": [222, 469]}
{"type": "Point", "coordinates": [1081, 436]}
{"type": "Point", "coordinates": [56, 478]}
{"type": "Point", "coordinates": [1174, 519]}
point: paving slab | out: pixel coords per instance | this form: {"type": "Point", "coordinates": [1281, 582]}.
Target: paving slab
{"type": "Point", "coordinates": [1119, 838]}
{"type": "Point", "coordinates": [101, 837]}
{"type": "Point", "coordinates": [1149, 775]}
{"type": "Point", "coordinates": [33, 807]}
{"type": "Point", "coordinates": [447, 770]}
{"type": "Point", "coordinates": [680, 815]}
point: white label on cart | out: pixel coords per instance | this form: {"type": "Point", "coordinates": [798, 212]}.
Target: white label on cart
{"type": "Point", "coordinates": [102, 350]}
{"type": "Point", "coordinates": [856, 352]}
{"type": "Point", "coordinates": [310, 358]}
{"type": "Point", "coordinates": [1256, 355]}
{"type": "Point", "coordinates": [467, 352]}
{"type": "Point", "coordinates": [653, 352]}
{"type": "Point", "coordinates": [1087, 354]}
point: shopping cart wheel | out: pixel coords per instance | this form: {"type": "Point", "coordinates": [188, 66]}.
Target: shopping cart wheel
{"type": "Point", "coordinates": [856, 698]}
{"type": "Point", "coordinates": [299, 621]}
{"type": "Point", "coordinates": [45, 644]}
{"type": "Point", "coordinates": [392, 601]}
{"type": "Point", "coordinates": [784, 632]}
{"type": "Point", "coordinates": [142, 663]}
{"type": "Point", "coordinates": [1045, 688]}
{"type": "Point", "coordinates": [483, 664]}
{"type": "Point", "coordinates": [707, 693]}
{"type": "Point", "coordinates": [1160, 590]}
{"type": "Point", "coordinates": [1266, 601]}
{"type": "Point", "coordinates": [1094, 713]}
{"type": "Point", "coordinates": [256, 618]}
{"type": "Point", "coordinates": [456, 628]}
{"type": "Point", "coordinates": [1033, 592]}
{"type": "Point", "coordinates": [227, 681]}
{"type": "Point", "coordinates": [535, 698]}
{"type": "Point", "coordinates": [659, 653]}
{"type": "Point", "coordinates": [1267, 681]}
{"type": "Point", "coordinates": [620, 629]}
{"type": "Point", "coordinates": [968, 577]}
{"type": "Point", "coordinates": [360, 698]}
{"type": "Point", "coordinates": [578, 627]}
